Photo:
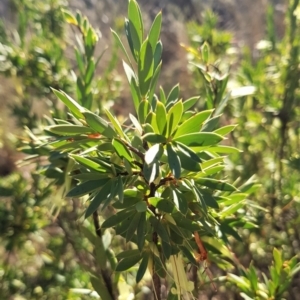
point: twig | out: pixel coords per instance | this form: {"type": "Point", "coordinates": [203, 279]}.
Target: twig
{"type": "Point", "coordinates": [155, 277]}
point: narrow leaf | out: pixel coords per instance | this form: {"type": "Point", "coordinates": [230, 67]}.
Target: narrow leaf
{"type": "Point", "coordinates": [86, 187]}
{"type": "Point", "coordinates": [193, 124]}
{"type": "Point", "coordinates": [102, 195]}
{"type": "Point", "coordinates": [143, 267]}
{"type": "Point", "coordinates": [174, 117]}
{"type": "Point", "coordinates": [189, 103]}
{"type": "Point", "coordinates": [69, 129]}
{"type": "Point", "coordinates": [154, 153]}
{"type": "Point", "coordinates": [145, 67]}
{"type": "Point", "coordinates": [199, 139]}
{"type": "Point", "coordinates": [154, 32]}
{"type": "Point", "coordinates": [91, 165]}
{"type": "Point", "coordinates": [154, 138]}
{"type": "Point", "coordinates": [115, 123]}
{"type": "Point", "coordinates": [174, 162]}
{"type": "Point", "coordinates": [133, 226]}
{"type": "Point", "coordinates": [73, 106]}
{"type": "Point", "coordinates": [126, 263]}
{"type": "Point", "coordinates": [216, 184]}
{"type": "Point", "coordinates": [99, 124]}
{"type": "Point", "coordinates": [120, 44]}
{"type": "Point", "coordinates": [161, 116]}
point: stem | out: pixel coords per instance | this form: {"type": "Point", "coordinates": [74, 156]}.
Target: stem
{"type": "Point", "coordinates": [155, 277]}
{"type": "Point", "coordinates": [97, 224]}
{"type": "Point", "coordinates": [134, 150]}
{"type": "Point", "coordinates": [195, 280]}
{"type": "Point", "coordinates": [104, 272]}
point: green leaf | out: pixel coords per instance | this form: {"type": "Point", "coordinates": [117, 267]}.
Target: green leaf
{"type": "Point", "coordinates": [159, 267]}
{"type": "Point", "coordinates": [224, 149]}
{"type": "Point", "coordinates": [69, 17]}
{"type": "Point", "coordinates": [174, 162]}
{"type": "Point", "coordinates": [211, 124]}
{"type": "Point", "coordinates": [145, 67]}
{"type": "Point", "coordinates": [100, 288]}
{"type": "Point", "coordinates": [136, 26]}
{"type": "Point", "coordinates": [157, 54]}
{"type": "Point", "coordinates": [216, 184]}
{"type": "Point", "coordinates": [133, 226]}
{"type": "Point", "coordinates": [198, 194]}
{"type": "Point", "coordinates": [185, 223]}
{"type": "Point", "coordinates": [199, 139]}
{"type": "Point", "coordinates": [231, 209]}
{"type": "Point", "coordinates": [101, 196]}
{"type": "Point", "coordinates": [90, 71]}
{"type": "Point", "coordinates": [180, 201]}
{"type": "Point", "coordinates": [225, 130]}
{"type": "Point", "coordinates": [227, 229]}
{"type": "Point", "coordinates": [154, 138]}
{"type": "Point", "coordinates": [86, 187]}
{"type": "Point", "coordinates": [154, 153]}
{"type": "Point", "coordinates": [69, 129]}
{"type": "Point", "coordinates": [277, 260]}
{"type": "Point", "coordinates": [153, 123]}
{"type": "Point", "coordinates": [211, 171]}
{"type": "Point", "coordinates": [222, 104]}
{"type": "Point", "coordinates": [175, 236]}
{"type": "Point", "coordinates": [205, 52]}
{"type": "Point", "coordinates": [193, 124]}
{"type": "Point", "coordinates": [154, 200]}
{"type": "Point", "coordinates": [127, 253]}
{"type": "Point", "coordinates": [132, 34]}
{"type": "Point", "coordinates": [189, 152]}
{"type": "Point", "coordinates": [154, 32]}
{"type": "Point", "coordinates": [154, 82]}
{"type": "Point", "coordinates": [187, 162]}
{"type": "Point", "coordinates": [73, 106]}
{"type": "Point", "coordinates": [159, 228]}
{"type": "Point", "coordinates": [80, 63]}
{"type": "Point", "coordinates": [187, 104]}
{"type": "Point", "coordinates": [161, 116]}
{"type": "Point", "coordinates": [141, 206]}
{"type": "Point", "coordinates": [91, 165]}
{"type": "Point", "coordinates": [167, 249]}
{"type": "Point", "coordinates": [119, 217]}
{"type": "Point", "coordinates": [209, 199]}
{"type": "Point", "coordinates": [148, 128]}
{"type": "Point", "coordinates": [174, 117]}
{"type": "Point", "coordinates": [120, 189]}
{"type": "Point", "coordinates": [120, 44]}
{"type": "Point", "coordinates": [165, 206]}
{"type": "Point", "coordinates": [121, 149]}
{"type": "Point", "coordinates": [141, 231]}
{"type": "Point", "coordinates": [162, 95]}
{"type": "Point", "coordinates": [187, 253]}
{"type": "Point", "coordinates": [115, 123]}
{"type": "Point", "coordinates": [135, 91]}
{"type": "Point", "coordinates": [173, 95]}
{"type": "Point", "coordinates": [126, 263]}
{"type": "Point", "coordinates": [151, 172]}
{"type": "Point", "coordinates": [143, 110]}
{"type": "Point", "coordinates": [143, 267]}
{"type": "Point", "coordinates": [99, 125]}
{"type": "Point", "coordinates": [136, 124]}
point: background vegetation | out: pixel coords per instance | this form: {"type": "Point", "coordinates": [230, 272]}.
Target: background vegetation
{"type": "Point", "coordinates": [48, 251]}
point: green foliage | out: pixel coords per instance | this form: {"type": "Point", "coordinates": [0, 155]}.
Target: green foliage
{"type": "Point", "coordinates": [160, 175]}
{"type": "Point", "coordinates": [266, 110]}
{"type": "Point", "coordinates": [144, 200]}
{"type": "Point", "coordinates": [281, 274]}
